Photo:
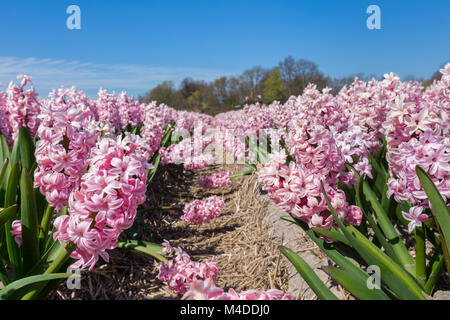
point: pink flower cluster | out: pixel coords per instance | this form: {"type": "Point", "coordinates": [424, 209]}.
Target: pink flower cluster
{"type": "Point", "coordinates": [352, 143]}
{"type": "Point", "coordinates": [4, 128]}
{"type": "Point", "coordinates": [297, 190]}
{"type": "Point", "coordinates": [105, 204]}
{"type": "Point", "coordinates": [417, 133]}
{"type": "Point", "coordinates": [317, 108]}
{"type": "Point", "coordinates": [207, 290]}
{"type": "Point", "coordinates": [180, 271]}
{"type": "Point", "coordinates": [190, 151]}
{"type": "Point", "coordinates": [16, 231]}
{"type": "Point", "coordinates": [67, 134]}
{"type": "Point", "coordinates": [216, 181]}
{"type": "Point", "coordinates": [203, 211]}
{"type": "Point", "coordinates": [20, 108]}
{"type": "Point", "coordinates": [196, 281]}
{"type": "Point", "coordinates": [130, 111]}
{"type": "Point", "coordinates": [108, 111]}
{"type": "Point", "coordinates": [152, 130]}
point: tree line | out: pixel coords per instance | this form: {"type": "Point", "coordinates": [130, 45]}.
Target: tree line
{"type": "Point", "coordinates": [289, 77]}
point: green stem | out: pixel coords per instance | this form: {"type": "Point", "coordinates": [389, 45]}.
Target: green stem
{"type": "Point", "coordinates": [53, 268]}
{"type": "Point", "coordinates": [420, 255]}
{"type": "Point", "coordinates": [436, 272]}
{"type": "Point", "coordinates": [45, 225]}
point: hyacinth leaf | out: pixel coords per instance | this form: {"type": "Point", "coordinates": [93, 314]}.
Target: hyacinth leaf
{"type": "Point", "coordinates": [317, 285]}
{"type": "Point", "coordinates": [11, 288]}
{"type": "Point", "coordinates": [358, 288]}
{"type": "Point", "coordinates": [28, 210]}
{"type": "Point", "coordinates": [386, 225]}
{"type": "Point", "coordinates": [378, 167]}
{"type": "Point", "coordinates": [44, 260]}
{"type": "Point", "coordinates": [387, 203]}
{"type": "Point", "coordinates": [8, 214]}
{"type": "Point", "coordinates": [45, 226]}
{"type": "Point", "coordinates": [11, 185]}
{"type": "Point", "coordinates": [434, 270]}
{"type": "Point", "coordinates": [3, 170]}
{"type": "Point", "coordinates": [59, 261]}
{"type": "Point", "coordinates": [400, 281]}
{"type": "Point", "coordinates": [11, 199]}
{"type": "Point", "coordinates": [333, 234]}
{"type": "Point", "coordinates": [331, 251]}
{"type": "Point", "coordinates": [155, 162]}
{"type": "Point", "coordinates": [4, 152]}
{"type": "Point", "coordinates": [165, 141]}
{"type": "Point", "coordinates": [50, 286]}
{"type": "Point", "coordinates": [15, 153]}
{"type": "Point", "coordinates": [26, 148]}
{"type": "Point", "coordinates": [378, 233]}
{"type": "Point", "coordinates": [349, 192]}
{"type": "Point", "coordinates": [152, 249]}
{"type": "Point", "coordinates": [156, 159]}
{"type": "Point", "coordinates": [440, 210]}
{"type": "Point", "coordinates": [380, 177]}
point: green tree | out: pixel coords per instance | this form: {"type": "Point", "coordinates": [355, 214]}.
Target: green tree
{"type": "Point", "coordinates": [165, 93]}
{"type": "Point", "coordinates": [273, 87]}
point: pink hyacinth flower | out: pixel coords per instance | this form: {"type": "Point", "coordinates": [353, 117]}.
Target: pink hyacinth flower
{"type": "Point", "coordinates": [16, 231]}
{"type": "Point", "coordinates": [416, 217]}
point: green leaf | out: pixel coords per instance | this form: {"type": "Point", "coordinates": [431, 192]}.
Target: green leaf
{"type": "Point", "coordinates": [15, 153]}
{"type": "Point", "coordinates": [378, 233]}
{"type": "Point", "coordinates": [400, 281]}
{"type": "Point", "coordinates": [317, 285]}
{"type": "Point", "coordinates": [4, 148]}
{"type": "Point", "coordinates": [358, 288]}
{"type": "Point", "coordinates": [156, 159]}
{"type": "Point", "coordinates": [30, 242]}
{"type": "Point", "coordinates": [392, 235]}
{"type": "Point", "coordinates": [58, 261]}
{"type": "Point", "coordinates": [3, 170]}
{"type": "Point", "coordinates": [332, 251]}
{"type": "Point", "coordinates": [11, 199]}
{"type": "Point", "coordinates": [149, 248]}
{"type": "Point", "coordinates": [12, 184]}
{"type": "Point", "coordinates": [45, 226]}
{"type": "Point", "coordinates": [22, 283]}
{"type": "Point", "coordinates": [440, 210]}
{"type": "Point", "coordinates": [26, 148]}
{"type": "Point", "coordinates": [155, 162]}
{"type": "Point", "coordinates": [437, 267]}
{"type": "Point", "coordinates": [8, 214]}
{"type": "Point", "coordinates": [333, 234]}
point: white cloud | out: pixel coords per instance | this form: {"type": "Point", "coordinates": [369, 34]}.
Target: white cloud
{"type": "Point", "coordinates": [48, 74]}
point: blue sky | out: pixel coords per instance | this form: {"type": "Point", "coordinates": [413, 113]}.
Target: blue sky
{"type": "Point", "coordinates": [133, 45]}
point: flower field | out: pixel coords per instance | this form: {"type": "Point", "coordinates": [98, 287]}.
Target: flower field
{"type": "Point", "coordinates": [102, 184]}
